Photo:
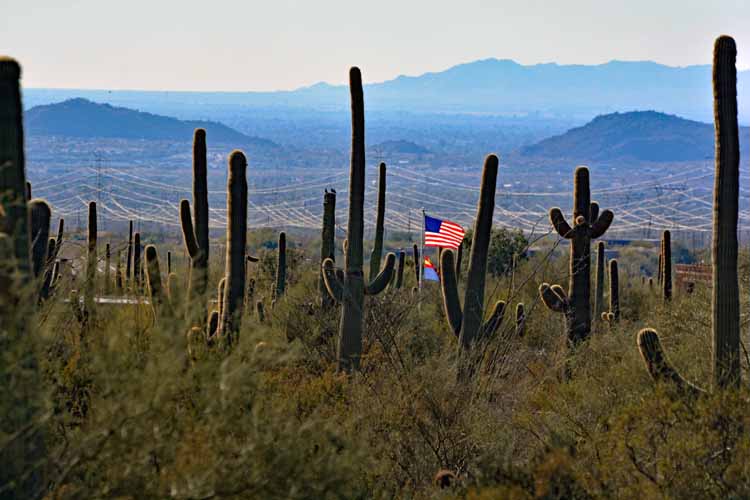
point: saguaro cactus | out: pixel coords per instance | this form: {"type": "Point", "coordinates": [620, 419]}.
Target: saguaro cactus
{"type": "Point", "coordinates": [40, 221]}
{"type": "Point", "coordinates": [520, 320]}
{"type": "Point", "coordinates": [725, 292]}
{"type": "Point", "coordinates": [107, 271]}
{"type": "Point", "coordinates": [588, 224]}
{"type": "Point", "coordinates": [159, 301]}
{"type": "Point", "coordinates": [234, 273]}
{"type": "Point", "coordinates": [417, 262]}
{"type": "Point", "coordinates": [400, 270]}
{"type": "Point", "coordinates": [666, 265]}
{"type": "Point", "coordinates": [91, 261]}
{"type": "Point", "coordinates": [614, 291]}
{"type": "Point", "coordinates": [280, 267]}
{"type": "Point", "coordinates": [137, 262]}
{"type": "Point", "coordinates": [377, 249]}
{"type": "Point", "coordinates": [352, 290]}
{"type": "Point", "coordinates": [195, 229]}
{"type": "Point", "coordinates": [15, 223]}
{"type": "Point", "coordinates": [327, 244]}
{"type": "Point", "coordinates": [599, 296]}
{"type": "Point", "coordinates": [130, 254]}
{"type": "Point", "coordinates": [469, 325]}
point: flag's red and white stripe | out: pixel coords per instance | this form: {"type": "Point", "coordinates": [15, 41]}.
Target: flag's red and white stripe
{"type": "Point", "coordinates": [450, 235]}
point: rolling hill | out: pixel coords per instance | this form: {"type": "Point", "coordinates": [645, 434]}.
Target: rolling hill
{"type": "Point", "coordinates": [488, 86]}
{"type": "Point", "coordinates": [84, 119]}
{"type": "Point", "coordinates": [638, 135]}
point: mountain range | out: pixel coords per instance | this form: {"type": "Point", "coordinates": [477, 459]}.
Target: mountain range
{"type": "Point", "coordinates": [84, 119]}
{"type": "Point", "coordinates": [637, 136]}
{"type": "Point", "coordinates": [488, 86]}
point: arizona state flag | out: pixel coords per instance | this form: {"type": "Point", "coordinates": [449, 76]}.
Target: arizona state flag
{"type": "Point", "coordinates": [429, 271]}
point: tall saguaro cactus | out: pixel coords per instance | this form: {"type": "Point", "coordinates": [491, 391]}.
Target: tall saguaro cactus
{"type": "Point", "coordinates": [469, 324]}
{"type": "Point", "coordinates": [195, 229]}
{"type": "Point", "coordinates": [40, 221]}
{"type": "Point", "coordinates": [130, 253]}
{"type": "Point", "coordinates": [15, 223]}
{"type": "Point", "coordinates": [159, 300]}
{"type": "Point", "coordinates": [327, 244]}
{"type": "Point", "coordinates": [377, 249]}
{"type": "Point", "coordinates": [588, 224]}
{"type": "Point", "coordinates": [137, 262]}
{"type": "Point", "coordinates": [666, 265]}
{"type": "Point", "coordinates": [280, 268]}
{"type": "Point", "coordinates": [614, 290]}
{"type": "Point", "coordinates": [725, 293]}
{"type": "Point", "coordinates": [351, 291]}
{"type": "Point", "coordinates": [599, 296]}
{"type": "Point", "coordinates": [91, 261]}
{"type": "Point", "coordinates": [234, 273]}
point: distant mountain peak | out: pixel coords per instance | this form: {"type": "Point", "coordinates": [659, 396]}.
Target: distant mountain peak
{"type": "Point", "coordinates": [82, 118]}
{"type": "Point", "coordinates": [635, 135]}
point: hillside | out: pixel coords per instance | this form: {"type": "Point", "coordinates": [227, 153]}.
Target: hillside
{"type": "Point", "coordinates": [637, 135]}
{"type": "Point", "coordinates": [498, 86]}
{"type": "Point", "coordinates": [82, 118]}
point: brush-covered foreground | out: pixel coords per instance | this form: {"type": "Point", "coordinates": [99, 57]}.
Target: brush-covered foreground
{"type": "Point", "coordinates": [121, 407]}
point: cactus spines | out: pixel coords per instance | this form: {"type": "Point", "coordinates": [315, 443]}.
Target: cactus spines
{"type": "Point", "coordinates": [353, 286]}
{"type": "Point", "coordinates": [520, 320]}
{"type": "Point", "coordinates": [130, 252]}
{"type": "Point", "coordinates": [666, 265]}
{"type": "Point", "coordinates": [280, 267]}
{"type": "Point", "coordinates": [725, 290]}
{"type": "Point", "coordinates": [107, 273]}
{"type": "Point", "coordinates": [659, 367]}
{"type": "Point", "coordinates": [377, 249]}
{"type": "Point", "coordinates": [234, 293]}
{"type": "Point", "coordinates": [467, 324]}
{"type": "Point", "coordinates": [588, 224]}
{"type": "Point", "coordinates": [136, 261]}
{"type": "Point", "coordinates": [40, 221]}
{"type": "Point", "coordinates": [614, 291]}
{"type": "Point", "coordinates": [15, 223]}
{"type": "Point", "coordinates": [159, 301]}
{"type": "Point", "coordinates": [599, 296]}
{"type": "Point", "coordinates": [195, 229]}
{"type": "Point", "coordinates": [327, 244]}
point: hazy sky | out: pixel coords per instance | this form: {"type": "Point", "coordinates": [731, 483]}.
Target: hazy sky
{"type": "Point", "coordinates": [284, 44]}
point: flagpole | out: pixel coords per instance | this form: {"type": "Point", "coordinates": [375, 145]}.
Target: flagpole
{"type": "Point", "coordinates": [421, 253]}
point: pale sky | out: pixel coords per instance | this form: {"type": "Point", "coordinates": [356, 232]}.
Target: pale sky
{"type": "Point", "coordinates": [284, 44]}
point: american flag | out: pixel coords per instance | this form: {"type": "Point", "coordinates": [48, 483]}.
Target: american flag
{"type": "Point", "coordinates": [442, 233]}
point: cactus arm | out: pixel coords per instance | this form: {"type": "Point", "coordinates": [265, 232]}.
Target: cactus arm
{"type": "Point", "coordinates": [490, 327]}
{"type": "Point", "coordinates": [332, 282]}
{"type": "Point", "coordinates": [188, 232]}
{"type": "Point", "coordinates": [600, 225]}
{"type": "Point", "coordinates": [658, 365]}
{"type": "Point", "coordinates": [213, 323]}
{"type": "Point", "coordinates": [449, 288]}
{"type": "Point", "coordinates": [552, 298]}
{"type": "Point", "coordinates": [593, 211]}
{"type": "Point", "coordinates": [381, 281]}
{"type": "Point", "coordinates": [558, 221]}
